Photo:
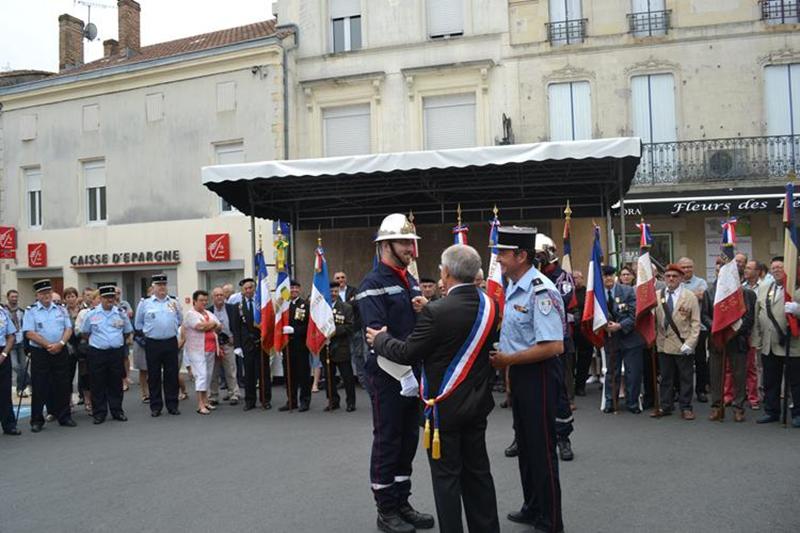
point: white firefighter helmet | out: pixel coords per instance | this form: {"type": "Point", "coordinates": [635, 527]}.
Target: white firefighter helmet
{"type": "Point", "coordinates": [546, 248]}
{"type": "Point", "coordinates": [394, 227]}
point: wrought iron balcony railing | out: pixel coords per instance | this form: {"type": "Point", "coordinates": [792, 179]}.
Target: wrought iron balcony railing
{"type": "Point", "coordinates": [710, 160]}
{"type": "Point", "coordinates": [779, 11]}
{"type": "Point", "coordinates": [566, 31]}
{"type": "Point", "coordinates": [649, 23]}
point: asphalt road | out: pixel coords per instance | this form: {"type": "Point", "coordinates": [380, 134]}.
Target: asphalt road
{"type": "Point", "coordinates": [280, 472]}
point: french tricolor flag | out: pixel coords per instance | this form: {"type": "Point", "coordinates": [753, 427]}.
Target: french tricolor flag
{"type": "Point", "coordinates": [494, 280]}
{"type": "Point", "coordinates": [729, 304]}
{"type": "Point", "coordinates": [595, 309]}
{"type": "Point", "coordinates": [460, 234]}
{"type": "Point", "coordinates": [646, 299]}
{"type": "Point", "coordinates": [790, 250]}
{"type": "Point", "coordinates": [321, 325]}
{"type": "Point", "coordinates": [280, 318]}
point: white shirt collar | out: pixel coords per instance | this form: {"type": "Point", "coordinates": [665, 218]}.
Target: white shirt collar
{"type": "Point", "coordinates": [457, 286]}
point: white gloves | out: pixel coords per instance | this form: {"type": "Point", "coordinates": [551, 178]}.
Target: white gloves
{"type": "Point", "coordinates": [792, 308]}
{"type": "Point", "coordinates": [288, 330]}
{"type": "Point", "coordinates": [409, 385]}
{"type": "Point", "coordinates": [238, 352]}
{"type": "Point", "coordinates": [686, 349]}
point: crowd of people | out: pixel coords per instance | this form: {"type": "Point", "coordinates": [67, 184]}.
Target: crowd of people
{"type": "Point", "coordinates": [401, 339]}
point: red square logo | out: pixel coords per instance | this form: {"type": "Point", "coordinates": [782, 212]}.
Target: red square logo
{"type": "Point", "coordinates": [37, 254]}
{"type": "Point", "coordinates": [218, 247]}
{"type": "Point", "coordinates": [8, 242]}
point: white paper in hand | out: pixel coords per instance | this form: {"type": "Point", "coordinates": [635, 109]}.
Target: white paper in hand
{"type": "Point", "coordinates": [409, 386]}
{"type": "Point", "coordinates": [393, 369]}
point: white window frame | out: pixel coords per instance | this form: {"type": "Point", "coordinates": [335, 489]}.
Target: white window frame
{"type": "Point", "coordinates": [346, 28]}
{"type": "Point", "coordinates": [344, 111]}
{"type": "Point", "coordinates": [572, 101]}
{"type": "Point", "coordinates": [222, 148]}
{"type": "Point", "coordinates": [96, 195]}
{"type": "Point", "coordinates": [474, 104]}
{"type": "Point", "coordinates": [36, 199]}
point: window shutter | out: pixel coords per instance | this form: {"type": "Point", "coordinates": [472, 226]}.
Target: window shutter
{"type": "Point", "coordinates": [445, 17]}
{"type": "Point", "coordinates": [345, 8]}
{"type": "Point", "coordinates": [574, 9]}
{"type": "Point", "coordinates": [33, 178]}
{"type": "Point", "coordinates": [782, 96]}
{"type": "Point", "coordinates": [229, 153]}
{"type": "Point", "coordinates": [346, 130]}
{"type": "Point", "coordinates": [581, 110]}
{"type": "Point", "coordinates": [449, 121]}
{"type": "Point", "coordinates": [558, 10]}
{"type": "Point", "coordinates": [662, 89]}
{"type": "Point", "coordinates": [560, 112]}
{"type": "Point", "coordinates": [94, 174]}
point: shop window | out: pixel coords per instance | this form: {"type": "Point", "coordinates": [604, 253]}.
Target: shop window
{"type": "Point", "coordinates": [345, 25]}
{"type": "Point", "coordinates": [570, 111]}
{"type": "Point", "coordinates": [660, 252]}
{"type": "Point", "coordinates": [449, 121]}
{"type": "Point", "coordinates": [346, 130]}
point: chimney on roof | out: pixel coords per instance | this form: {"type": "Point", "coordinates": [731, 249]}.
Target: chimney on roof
{"type": "Point", "coordinates": [70, 42]}
{"type": "Point", "coordinates": [110, 47]}
{"type": "Point", "coordinates": [128, 13]}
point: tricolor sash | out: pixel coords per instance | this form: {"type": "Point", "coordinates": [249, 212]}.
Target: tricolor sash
{"type": "Point", "coordinates": [457, 370]}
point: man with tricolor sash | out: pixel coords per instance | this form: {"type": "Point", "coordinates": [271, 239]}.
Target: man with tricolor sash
{"type": "Point", "coordinates": [452, 340]}
{"type": "Point", "coordinates": [531, 339]}
{"type": "Point", "coordinates": [389, 296]}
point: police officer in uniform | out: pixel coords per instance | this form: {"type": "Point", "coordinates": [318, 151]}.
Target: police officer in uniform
{"type": "Point", "coordinates": [48, 328]}
{"type": "Point", "coordinates": [247, 339]}
{"type": "Point", "coordinates": [531, 340]}
{"type": "Point", "coordinates": [7, 335]}
{"type": "Point", "coordinates": [298, 351]}
{"type": "Point", "coordinates": [390, 296]}
{"type": "Point", "coordinates": [107, 327]}
{"type": "Point", "coordinates": [158, 318]}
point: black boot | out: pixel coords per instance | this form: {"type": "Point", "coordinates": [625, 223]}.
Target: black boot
{"type": "Point", "coordinates": [390, 522]}
{"type": "Point", "coordinates": [416, 519]}
{"type": "Point", "coordinates": [512, 451]}
{"type": "Point", "coordinates": [565, 449]}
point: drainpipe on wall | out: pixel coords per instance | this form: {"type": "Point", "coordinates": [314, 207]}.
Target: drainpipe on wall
{"type": "Point", "coordinates": [296, 31]}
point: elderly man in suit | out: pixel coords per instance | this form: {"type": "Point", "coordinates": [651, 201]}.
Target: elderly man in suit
{"type": "Point", "coordinates": [227, 315]}
{"type": "Point", "coordinates": [677, 332]}
{"type": "Point", "coordinates": [623, 343]}
{"type": "Point", "coordinates": [462, 327]}
{"type": "Point", "coordinates": [770, 337]}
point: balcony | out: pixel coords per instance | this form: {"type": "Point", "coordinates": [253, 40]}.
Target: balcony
{"type": "Point", "coordinates": [779, 11]}
{"type": "Point", "coordinates": [649, 23]}
{"type": "Point", "coordinates": [566, 31]}
{"type": "Point", "coordinates": [717, 160]}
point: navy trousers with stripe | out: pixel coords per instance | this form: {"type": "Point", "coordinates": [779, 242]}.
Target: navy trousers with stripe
{"type": "Point", "coordinates": [534, 392]}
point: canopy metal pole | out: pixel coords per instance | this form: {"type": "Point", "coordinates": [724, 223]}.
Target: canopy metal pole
{"type": "Point", "coordinates": [252, 230]}
{"type": "Point", "coordinates": [292, 257]}
{"type": "Point", "coordinates": [610, 245]}
{"type": "Point", "coordinates": [621, 213]}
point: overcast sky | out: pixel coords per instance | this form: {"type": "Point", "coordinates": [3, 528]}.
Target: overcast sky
{"type": "Point", "coordinates": [29, 28]}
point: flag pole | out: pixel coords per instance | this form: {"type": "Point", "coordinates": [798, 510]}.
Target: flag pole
{"type": "Point", "coordinates": [280, 264]}
{"type": "Point", "coordinates": [789, 291]}
{"type": "Point", "coordinates": [644, 248]}
{"type": "Point", "coordinates": [261, 391]}
{"type": "Point", "coordinates": [327, 348]}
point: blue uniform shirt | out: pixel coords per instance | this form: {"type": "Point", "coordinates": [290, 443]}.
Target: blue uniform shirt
{"type": "Point", "coordinates": [534, 312]}
{"type": "Point", "coordinates": [49, 322]}
{"type": "Point", "coordinates": [159, 319]}
{"type": "Point", "coordinates": [7, 327]}
{"type": "Point", "coordinates": [106, 329]}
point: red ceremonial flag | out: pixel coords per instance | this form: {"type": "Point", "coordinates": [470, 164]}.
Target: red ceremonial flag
{"type": "Point", "coordinates": [729, 304]}
{"type": "Point", "coordinates": [646, 299]}
{"type": "Point", "coordinates": [595, 309]}
{"type": "Point", "coordinates": [321, 325]}
{"type": "Point", "coordinates": [790, 251]}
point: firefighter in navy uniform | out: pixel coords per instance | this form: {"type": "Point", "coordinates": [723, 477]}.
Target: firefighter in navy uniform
{"type": "Point", "coordinates": [390, 296]}
{"type": "Point", "coordinates": [548, 264]}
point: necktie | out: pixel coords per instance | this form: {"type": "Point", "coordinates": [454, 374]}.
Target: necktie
{"type": "Point", "coordinates": [250, 308]}
{"type": "Point", "coordinates": [670, 303]}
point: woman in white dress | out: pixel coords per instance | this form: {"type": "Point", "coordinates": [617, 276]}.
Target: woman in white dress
{"type": "Point", "coordinates": [200, 327]}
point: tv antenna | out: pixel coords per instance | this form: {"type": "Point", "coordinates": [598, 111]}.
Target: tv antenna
{"type": "Point", "coordinates": [90, 30]}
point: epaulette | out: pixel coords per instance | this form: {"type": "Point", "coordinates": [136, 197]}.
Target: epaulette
{"type": "Point", "coordinates": [538, 285]}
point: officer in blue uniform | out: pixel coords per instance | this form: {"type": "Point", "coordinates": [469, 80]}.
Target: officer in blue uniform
{"type": "Point", "coordinates": [107, 327]}
{"type": "Point", "coordinates": [48, 328]}
{"type": "Point", "coordinates": [158, 318]}
{"type": "Point", "coordinates": [7, 335]}
{"type": "Point", "coordinates": [531, 339]}
{"type": "Point", "coordinates": [390, 296]}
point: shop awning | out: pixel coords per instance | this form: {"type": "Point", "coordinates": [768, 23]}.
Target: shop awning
{"type": "Point", "coordinates": [711, 202]}
{"type": "Point", "coordinates": [525, 181]}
